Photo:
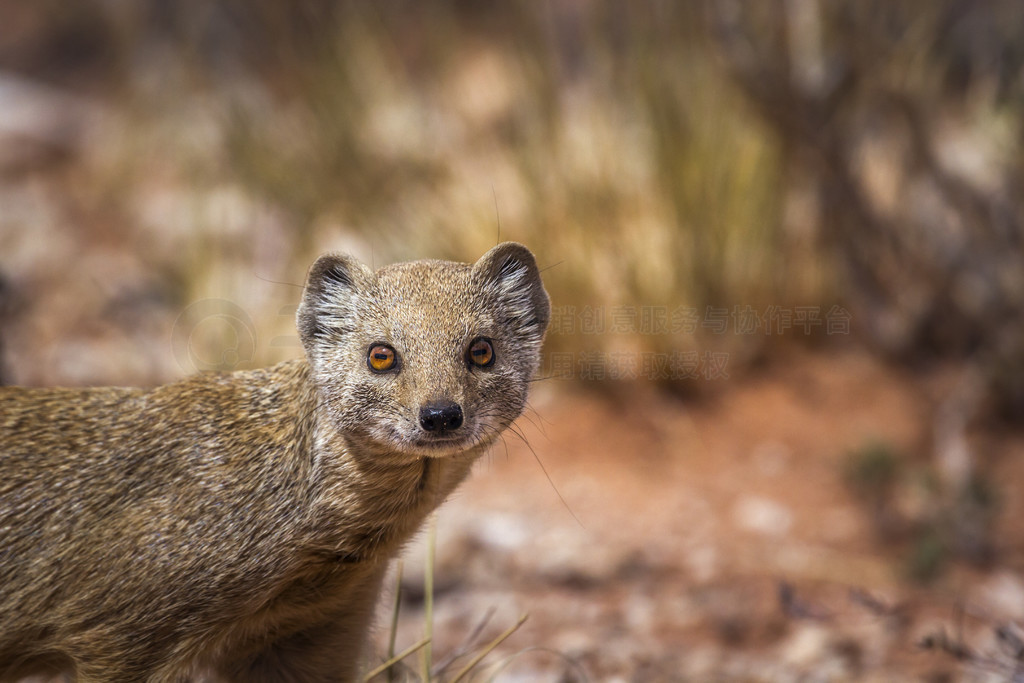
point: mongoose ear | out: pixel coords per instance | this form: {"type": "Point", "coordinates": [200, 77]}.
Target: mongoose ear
{"type": "Point", "coordinates": [509, 272]}
{"type": "Point", "coordinates": [328, 301]}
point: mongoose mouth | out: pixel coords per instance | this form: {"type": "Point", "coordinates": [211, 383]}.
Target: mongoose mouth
{"type": "Point", "coordinates": [444, 445]}
{"type": "Point", "coordinates": [419, 444]}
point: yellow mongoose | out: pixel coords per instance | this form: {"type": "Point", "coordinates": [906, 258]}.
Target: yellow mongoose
{"type": "Point", "coordinates": [237, 526]}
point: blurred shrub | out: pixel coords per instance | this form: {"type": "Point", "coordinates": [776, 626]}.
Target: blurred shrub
{"type": "Point", "coordinates": [905, 121]}
{"type": "Point", "coordinates": [908, 505]}
{"type": "Point", "coordinates": [873, 474]}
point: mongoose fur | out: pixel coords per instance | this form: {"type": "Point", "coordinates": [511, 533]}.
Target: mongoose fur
{"type": "Point", "coordinates": [237, 526]}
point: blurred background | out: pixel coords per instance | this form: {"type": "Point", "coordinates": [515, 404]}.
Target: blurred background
{"type": "Point", "coordinates": [778, 431]}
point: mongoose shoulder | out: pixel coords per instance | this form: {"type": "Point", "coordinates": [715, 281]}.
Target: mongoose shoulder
{"type": "Point", "coordinates": [237, 526]}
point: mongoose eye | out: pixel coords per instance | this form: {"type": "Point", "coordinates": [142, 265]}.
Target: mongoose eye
{"type": "Point", "coordinates": [381, 358]}
{"type": "Point", "coordinates": [480, 352]}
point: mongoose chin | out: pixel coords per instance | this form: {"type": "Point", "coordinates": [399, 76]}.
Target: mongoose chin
{"type": "Point", "coordinates": [237, 526]}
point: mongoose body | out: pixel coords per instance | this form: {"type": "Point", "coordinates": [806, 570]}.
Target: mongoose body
{"type": "Point", "coordinates": [237, 526]}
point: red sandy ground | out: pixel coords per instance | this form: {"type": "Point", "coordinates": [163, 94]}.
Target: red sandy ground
{"type": "Point", "coordinates": [690, 517]}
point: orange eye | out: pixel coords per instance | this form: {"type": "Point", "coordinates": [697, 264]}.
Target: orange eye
{"type": "Point", "coordinates": [481, 353]}
{"type": "Point", "coordinates": [381, 358]}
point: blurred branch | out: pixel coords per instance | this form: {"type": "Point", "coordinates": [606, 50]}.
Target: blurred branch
{"type": "Point", "coordinates": [932, 269]}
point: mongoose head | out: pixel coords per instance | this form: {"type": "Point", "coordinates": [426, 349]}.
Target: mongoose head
{"type": "Point", "coordinates": [426, 358]}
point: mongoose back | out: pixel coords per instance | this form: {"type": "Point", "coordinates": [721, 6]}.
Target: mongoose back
{"type": "Point", "coordinates": [237, 526]}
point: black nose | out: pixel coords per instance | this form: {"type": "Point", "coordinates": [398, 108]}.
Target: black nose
{"type": "Point", "coordinates": [442, 416]}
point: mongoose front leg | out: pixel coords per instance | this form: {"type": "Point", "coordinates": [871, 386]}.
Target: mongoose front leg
{"type": "Point", "coordinates": [329, 650]}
